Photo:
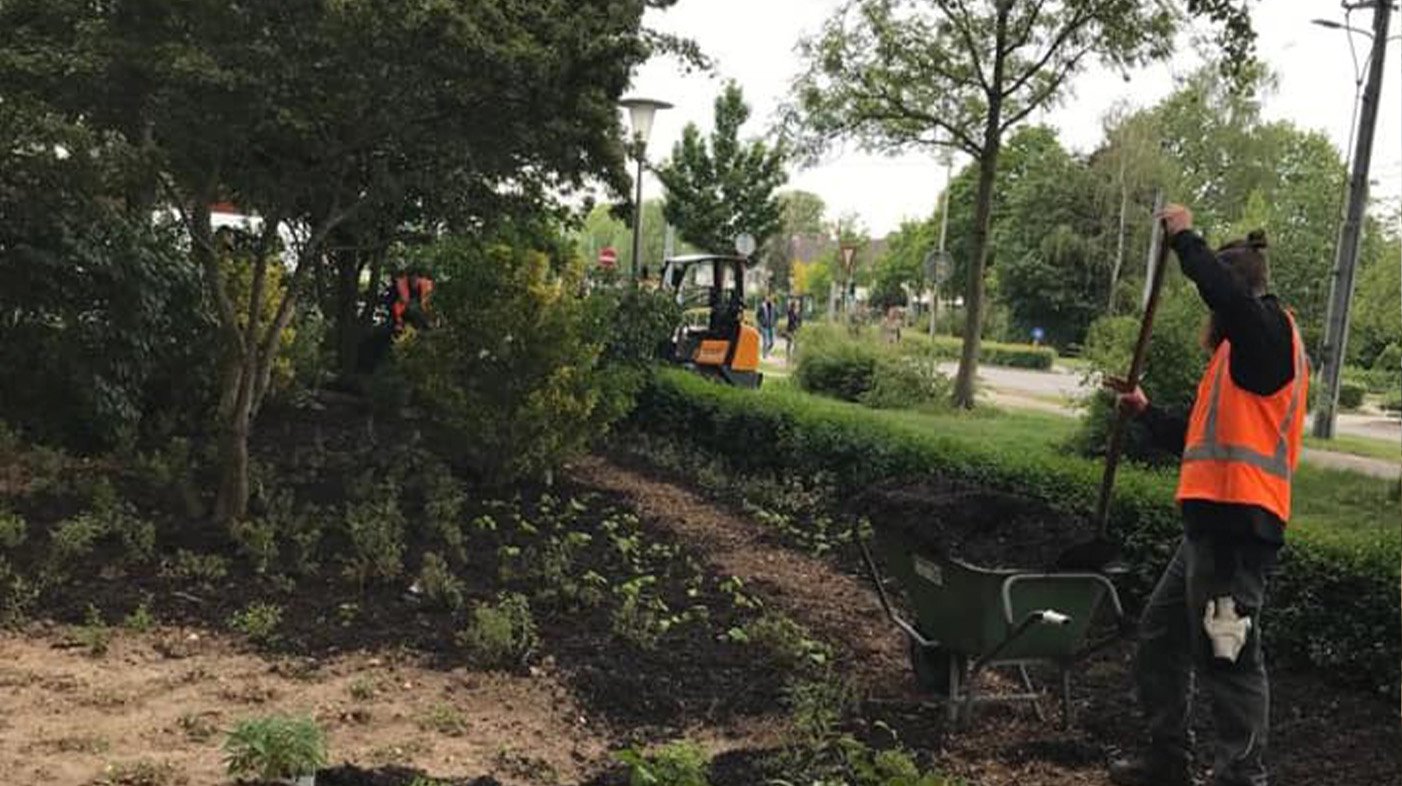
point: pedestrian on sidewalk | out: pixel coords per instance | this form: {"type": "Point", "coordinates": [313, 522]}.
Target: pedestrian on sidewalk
{"type": "Point", "coordinates": [767, 318]}
{"type": "Point", "coordinates": [794, 320]}
{"type": "Point", "coordinates": [1239, 446]}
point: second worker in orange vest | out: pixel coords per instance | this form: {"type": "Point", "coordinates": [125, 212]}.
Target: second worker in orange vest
{"type": "Point", "coordinates": [1239, 447]}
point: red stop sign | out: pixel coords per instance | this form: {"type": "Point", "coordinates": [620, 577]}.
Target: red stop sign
{"type": "Point", "coordinates": [608, 257]}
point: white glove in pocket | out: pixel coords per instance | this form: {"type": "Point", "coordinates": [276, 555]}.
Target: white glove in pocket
{"type": "Point", "coordinates": [1225, 628]}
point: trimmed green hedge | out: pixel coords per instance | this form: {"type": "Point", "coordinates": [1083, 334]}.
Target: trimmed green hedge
{"type": "Point", "coordinates": [991, 352]}
{"type": "Point", "coordinates": [948, 348]}
{"type": "Point", "coordinates": [1334, 601]}
{"type": "Point", "coordinates": [1351, 395]}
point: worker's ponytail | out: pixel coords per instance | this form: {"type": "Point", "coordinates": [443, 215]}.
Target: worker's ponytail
{"type": "Point", "coordinates": [1247, 259]}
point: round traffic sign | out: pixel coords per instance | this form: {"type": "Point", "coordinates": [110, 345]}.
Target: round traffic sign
{"type": "Point", "coordinates": [608, 257]}
{"type": "Point", "coordinates": [745, 244]}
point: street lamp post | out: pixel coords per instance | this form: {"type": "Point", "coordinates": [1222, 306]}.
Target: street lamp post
{"type": "Point", "coordinates": [640, 114]}
{"type": "Point", "coordinates": [1346, 260]}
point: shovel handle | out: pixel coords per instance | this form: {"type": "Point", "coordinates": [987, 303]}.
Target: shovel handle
{"type": "Point", "coordinates": [1136, 369]}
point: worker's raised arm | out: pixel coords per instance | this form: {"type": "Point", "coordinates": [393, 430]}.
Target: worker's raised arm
{"type": "Point", "coordinates": [1238, 308]}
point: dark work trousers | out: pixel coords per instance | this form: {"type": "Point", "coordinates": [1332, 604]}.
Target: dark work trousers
{"type": "Point", "coordinates": [1173, 647]}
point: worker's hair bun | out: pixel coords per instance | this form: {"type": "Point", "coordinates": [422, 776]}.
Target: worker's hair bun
{"type": "Point", "coordinates": [1256, 238]}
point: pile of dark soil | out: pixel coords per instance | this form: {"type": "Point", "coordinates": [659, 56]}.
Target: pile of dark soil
{"type": "Point", "coordinates": [986, 528]}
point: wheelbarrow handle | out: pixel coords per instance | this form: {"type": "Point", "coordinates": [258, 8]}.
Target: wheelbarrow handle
{"type": "Point", "coordinates": [909, 629]}
{"type": "Point", "coordinates": [1010, 582]}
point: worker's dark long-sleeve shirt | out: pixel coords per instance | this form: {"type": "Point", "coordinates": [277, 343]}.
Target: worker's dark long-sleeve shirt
{"type": "Point", "coordinates": [1261, 361]}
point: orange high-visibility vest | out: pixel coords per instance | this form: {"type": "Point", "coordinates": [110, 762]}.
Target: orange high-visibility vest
{"type": "Point", "coordinates": [401, 304]}
{"type": "Point", "coordinates": [1242, 447]}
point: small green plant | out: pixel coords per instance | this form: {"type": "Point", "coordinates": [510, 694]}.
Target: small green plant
{"type": "Point", "coordinates": [257, 540]}
{"type": "Point", "coordinates": [73, 539]}
{"type": "Point", "coordinates": [12, 529]}
{"type": "Point", "coordinates": [636, 620]}
{"type": "Point", "coordinates": [189, 566]}
{"type": "Point", "coordinates": [197, 726]}
{"type": "Point", "coordinates": [679, 763]}
{"type": "Point", "coordinates": [141, 773]}
{"type": "Point", "coordinates": [140, 619]}
{"type": "Point", "coordinates": [376, 529]}
{"type": "Point", "coordinates": [817, 707]}
{"type": "Point", "coordinates": [501, 635]}
{"type": "Point", "coordinates": [94, 634]}
{"type": "Point", "coordinates": [259, 622]}
{"type": "Point", "coordinates": [363, 688]}
{"type": "Point", "coordinates": [275, 746]}
{"type": "Point", "coordinates": [438, 584]}
{"type": "Point", "coordinates": [790, 644]}
{"type": "Point", "coordinates": [445, 719]}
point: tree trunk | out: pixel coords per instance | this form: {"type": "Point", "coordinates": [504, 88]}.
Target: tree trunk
{"type": "Point", "coordinates": [348, 265]}
{"type": "Point", "coordinates": [978, 260]}
{"type": "Point", "coordinates": [231, 503]}
{"type": "Point", "coordinates": [983, 214]}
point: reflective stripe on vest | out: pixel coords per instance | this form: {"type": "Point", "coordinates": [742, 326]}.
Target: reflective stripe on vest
{"type": "Point", "coordinates": [1276, 464]}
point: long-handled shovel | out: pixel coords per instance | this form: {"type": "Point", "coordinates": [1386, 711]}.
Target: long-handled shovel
{"type": "Point", "coordinates": [1101, 552]}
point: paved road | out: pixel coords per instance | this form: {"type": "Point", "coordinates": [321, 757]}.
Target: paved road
{"type": "Point", "coordinates": [1067, 384]}
{"type": "Point", "coordinates": [1038, 390]}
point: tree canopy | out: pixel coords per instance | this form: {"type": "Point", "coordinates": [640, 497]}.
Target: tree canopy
{"type": "Point", "coordinates": [895, 75]}
{"type": "Point", "coordinates": [720, 188]}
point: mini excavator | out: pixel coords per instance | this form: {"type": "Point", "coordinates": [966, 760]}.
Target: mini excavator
{"type": "Point", "coordinates": [713, 339]}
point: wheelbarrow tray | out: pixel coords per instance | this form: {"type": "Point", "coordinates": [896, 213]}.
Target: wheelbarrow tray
{"type": "Point", "coordinates": [970, 619]}
{"type": "Point", "coordinates": [971, 610]}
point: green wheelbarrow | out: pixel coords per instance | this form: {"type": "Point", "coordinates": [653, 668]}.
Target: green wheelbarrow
{"type": "Point", "coordinates": [969, 620]}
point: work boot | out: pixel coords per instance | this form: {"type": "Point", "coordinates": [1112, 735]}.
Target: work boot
{"type": "Point", "coordinates": [1150, 769]}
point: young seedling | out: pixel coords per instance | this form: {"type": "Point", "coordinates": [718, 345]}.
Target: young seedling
{"type": "Point", "coordinates": [276, 748]}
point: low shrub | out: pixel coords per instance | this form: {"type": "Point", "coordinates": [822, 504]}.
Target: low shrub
{"type": "Point", "coordinates": [501, 635]}
{"type": "Point", "coordinates": [795, 435]}
{"type": "Point", "coordinates": [679, 763]}
{"type": "Point", "coordinates": [12, 529]}
{"type": "Point", "coordinates": [275, 747]}
{"type": "Point", "coordinates": [516, 376]}
{"type": "Point", "coordinates": [438, 584]}
{"type": "Point", "coordinates": [1351, 395]}
{"type": "Point", "coordinates": [259, 622]}
{"type": "Point", "coordinates": [877, 375]}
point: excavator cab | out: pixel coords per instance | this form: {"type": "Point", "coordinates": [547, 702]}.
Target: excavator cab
{"type": "Point", "coordinates": [713, 339]}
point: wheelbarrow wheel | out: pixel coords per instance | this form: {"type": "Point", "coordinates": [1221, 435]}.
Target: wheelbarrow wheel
{"type": "Point", "coordinates": [930, 665]}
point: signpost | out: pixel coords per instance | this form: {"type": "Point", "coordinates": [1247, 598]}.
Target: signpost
{"type": "Point", "coordinates": [936, 271]}
{"type": "Point", "coordinates": [849, 253]}
{"type": "Point", "coordinates": [745, 244]}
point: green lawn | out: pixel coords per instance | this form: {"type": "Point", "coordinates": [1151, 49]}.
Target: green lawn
{"type": "Point", "coordinates": [1358, 446]}
{"type": "Point", "coordinates": [1328, 502]}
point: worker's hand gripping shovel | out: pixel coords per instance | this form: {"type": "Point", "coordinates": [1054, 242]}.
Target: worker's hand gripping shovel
{"type": "Point", "coordinates": [1103, 554]}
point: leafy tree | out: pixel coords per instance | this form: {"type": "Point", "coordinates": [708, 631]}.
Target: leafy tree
{"type": "Point", "coordinates": [801, 214]}
{"type": "Point", "coordinates": [900, 74]}
{"type": "Point", "coordinates": [312, 114]}
{"type": "Point", "coordinates": [102, 318]}
{"type": "Point", "coordinates": [903, 264]}
{"type": "Point", "coordinates": [1376, 320]}
{"type": "Point", "coordinates": [719, 189]}
{"type": "Point", "coordinates": [602, 229]}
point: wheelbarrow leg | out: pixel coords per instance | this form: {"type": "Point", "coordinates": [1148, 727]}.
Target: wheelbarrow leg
{"type": "Point", "coordinates": [1027, 686]}
{"type": "Point", "coordinates": [1066, 711]}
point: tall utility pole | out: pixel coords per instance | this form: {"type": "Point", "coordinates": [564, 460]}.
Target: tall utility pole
{"type": "Point", "coordinates": [944, 226]}
{"type": "Point", "coordinates": [1120, 235]}
{"type": "Point", "coordinates": [1346, 263]}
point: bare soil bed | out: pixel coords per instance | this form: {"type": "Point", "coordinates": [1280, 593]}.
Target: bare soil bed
{"type": "Point", "coordinates": [956, 521]}
{"type": "Point", "coordinates": [380, 668]}
{"type": "Point", "coordinates": [1322, 734]}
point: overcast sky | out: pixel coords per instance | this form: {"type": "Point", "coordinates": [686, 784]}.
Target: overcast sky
{"type": "Point", "coordinates": [752, 41]}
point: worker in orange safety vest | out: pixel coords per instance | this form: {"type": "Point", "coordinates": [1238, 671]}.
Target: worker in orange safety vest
{"type": "Point", "coordinates": [408, 297]}
{"type": "Point", "coordinates": [1240, 445]}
